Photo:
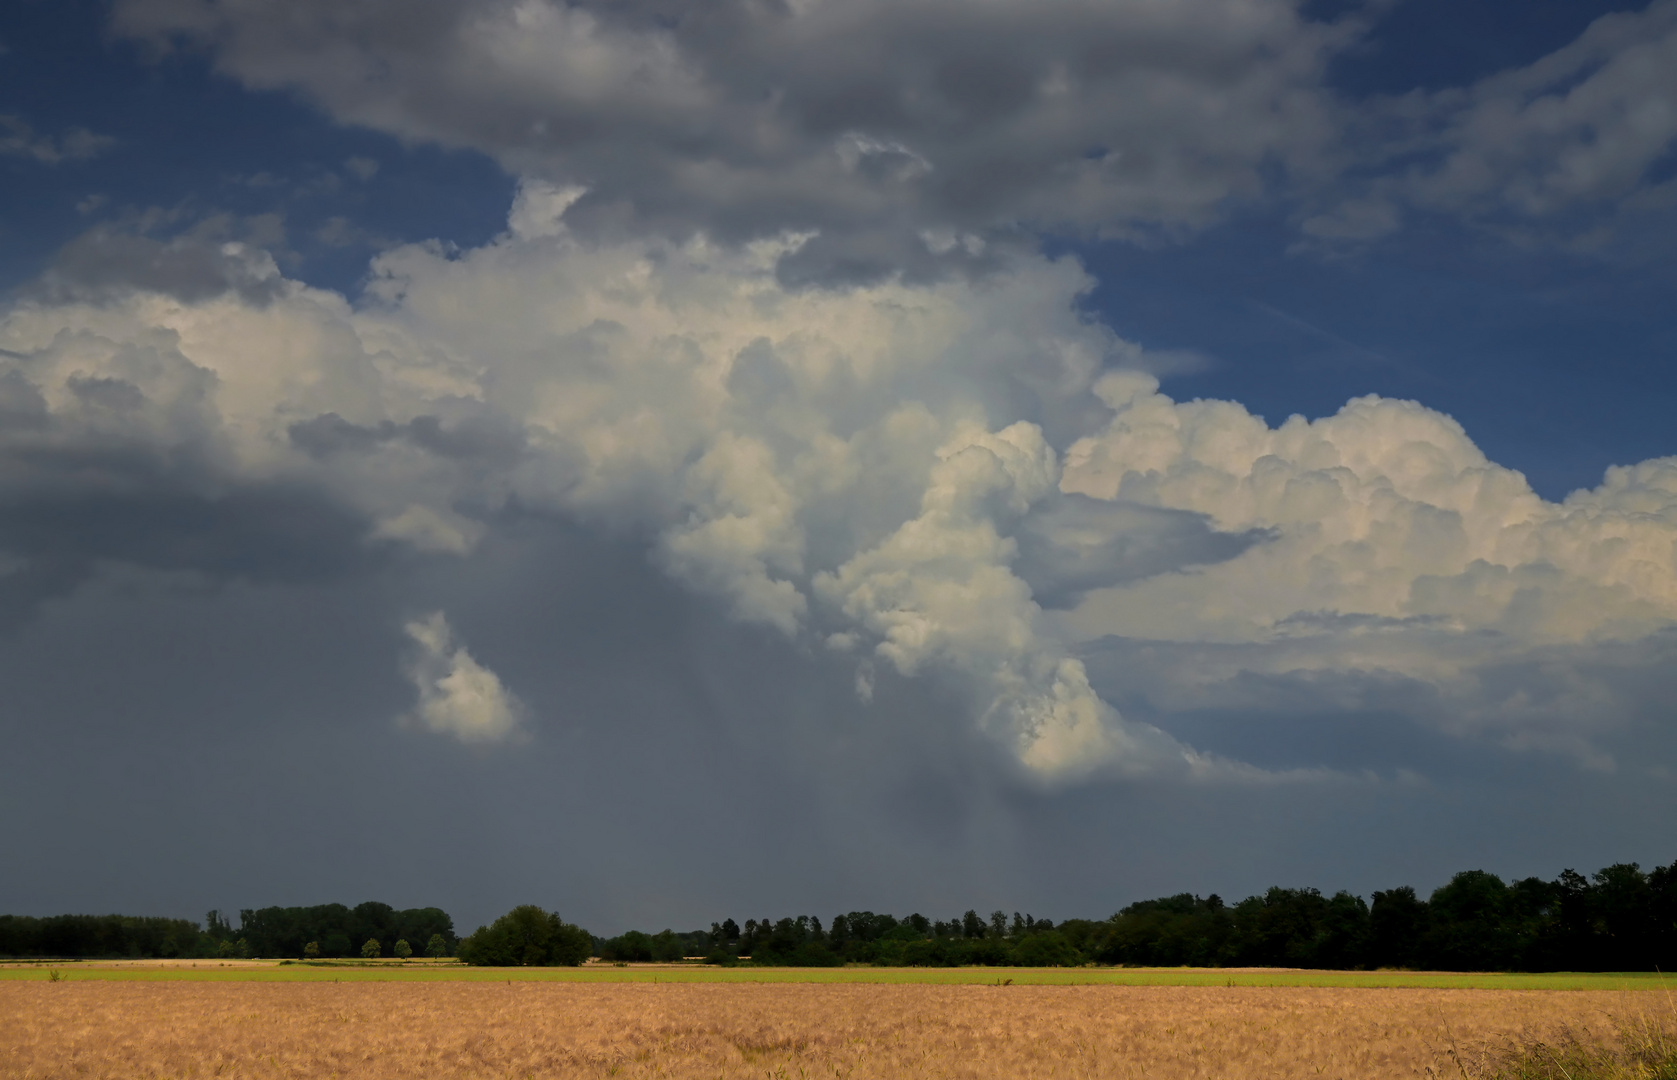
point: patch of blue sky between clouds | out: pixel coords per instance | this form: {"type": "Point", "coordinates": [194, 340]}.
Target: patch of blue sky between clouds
{"type": "Point", "coordinates": [182, 145]}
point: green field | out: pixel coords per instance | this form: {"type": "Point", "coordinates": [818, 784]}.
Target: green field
{"type": "Point", "coordinates": [211, 971]}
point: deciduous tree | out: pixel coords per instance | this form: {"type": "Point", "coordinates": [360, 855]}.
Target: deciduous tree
{"type": "Point", "coordinates": [527, 936]}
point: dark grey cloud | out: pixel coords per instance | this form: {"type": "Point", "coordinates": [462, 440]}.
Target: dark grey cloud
{"type": "Point", "coordinates": [205, 258]}
{"type": "Point", "coordinates": [909, 134]}
{"type": "Point", "coordinates": [69, 505]}
{"type": "Point", "coordinates": [478, 436]}
{"type": "Point", "coordinates": [1574, 148]}
{"type": "Point", "coordinates": [920, 138]}
{"type": "Point", "coordinates": [1601, 705]}
{"type": "Point", "coordinates": [113, 452]}
{"type": "Point", "coordinates": [1075, 544]}
{"type": "Point", "coordinates": [927, 136]}
{"type": "Point", "coordinates": [262, 532]}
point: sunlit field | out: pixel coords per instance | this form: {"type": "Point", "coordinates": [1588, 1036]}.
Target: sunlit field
{"type": "Point", "coordinates": [264, 1020]}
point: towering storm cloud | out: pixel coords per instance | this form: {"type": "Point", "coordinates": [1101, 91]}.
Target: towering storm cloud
{"type": "Point", "coordinates": [847, 467]}
{"type": "Point", "coordinates": [878, 471]}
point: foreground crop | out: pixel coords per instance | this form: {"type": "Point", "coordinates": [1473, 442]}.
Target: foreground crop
{"type": "Point", "coordinates": [728, 1030]}
{"type": "Point", "coordinates": [1643, 1048]}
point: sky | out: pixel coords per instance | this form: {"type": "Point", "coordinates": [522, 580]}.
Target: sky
{"type": "Point", "coordinates": [669, 462]}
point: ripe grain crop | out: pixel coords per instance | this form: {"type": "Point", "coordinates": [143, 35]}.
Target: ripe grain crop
{"type": "Point", "coordinates": [143, 1030]}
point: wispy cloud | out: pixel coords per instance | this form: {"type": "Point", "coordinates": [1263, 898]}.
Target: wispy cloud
{"type": "Point", "coordinates": [19, 139]}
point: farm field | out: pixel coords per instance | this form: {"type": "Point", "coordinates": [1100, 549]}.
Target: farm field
{"type": "Point", "coordinates": [730, 1028]}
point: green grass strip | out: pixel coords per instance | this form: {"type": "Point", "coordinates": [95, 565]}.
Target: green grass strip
{"type": "Point", "coordinates": [972, 976]}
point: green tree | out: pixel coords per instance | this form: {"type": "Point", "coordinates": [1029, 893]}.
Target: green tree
{"type": "Point", "coordinates": [402, 950]}
{"type": "Point", "coordinates": [283, 931]}
{"type": "Point", "coordinates": [436, 948]}
{"type": "Point", "coordinates": [1622, 901]}
{"type": "Point", "coordinates": [527, 936]}
{"type": "Point", "coordinates": [630, 947]}
{"type": "Point", "coordinates": [1169, 931]}
{"type": "Point", "coordinates": [216, 926]}
{"type": "Point", "coordinates": [1398, 923]}
{"type": "Point", "coordinates": [311, 951]}
{"type": "Point", "coordinates": [1046, 950]}
{"type": "Point", "coordinates": [370, 950]}
{"type": "Point", "coordinates": [666, 947]}
{"type": "Point", "coordinates": [372, 920]}
{"type": "Point", "coordinates": [1470, 928]}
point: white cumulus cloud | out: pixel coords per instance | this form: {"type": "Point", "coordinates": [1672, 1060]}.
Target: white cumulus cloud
{"type": "Point", "coordinates": [457, 695]}
{"type": "Point", "coordinates": [1385, 509]}
{"type": "Point", "coordinates": [1392, 549]}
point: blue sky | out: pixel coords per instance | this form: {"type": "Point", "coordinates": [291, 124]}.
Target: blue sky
{"type": "Point", "coordinates": [787, 417]}
{"type": "Point", "coordinates": [189, 140]}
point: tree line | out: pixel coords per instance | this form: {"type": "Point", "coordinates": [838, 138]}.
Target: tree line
{"type": "Point", "coordinates": [102, 936]}
{"type": "Point", "coordinates": [1618, 919]}
{"type": "Point", "coordinates": [326, 930]}
{"type": "Point", "coordinates": [336, 931]}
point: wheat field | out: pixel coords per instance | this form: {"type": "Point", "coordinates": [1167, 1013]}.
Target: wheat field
{"type": "Point", "coordinates": [722, 1031]}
